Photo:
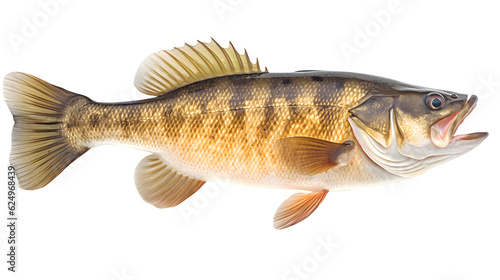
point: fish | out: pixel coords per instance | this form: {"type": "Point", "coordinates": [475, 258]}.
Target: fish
{"type": "Point", "coordinates": [213, 114]}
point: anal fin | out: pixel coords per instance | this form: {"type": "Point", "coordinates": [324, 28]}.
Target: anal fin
{"type": "Point", "coordinates": [162, 186]}
{"type": "Point", "coordinates": [297, 208]}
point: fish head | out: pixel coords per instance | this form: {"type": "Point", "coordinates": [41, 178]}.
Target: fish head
{"type": "Point", "coordinates": [409, 130]}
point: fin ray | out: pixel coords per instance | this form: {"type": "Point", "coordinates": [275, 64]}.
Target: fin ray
{"type": "Point", "coordinates": [297, 208]}
{"type": "Point", "coordinates": [39, 150]}
{"type": "Point", "coordinates": [165, 70]}
{"type": "Point", "coordinates": [310, 156]}
{"type": "Point", "coordinates": [162, 186]}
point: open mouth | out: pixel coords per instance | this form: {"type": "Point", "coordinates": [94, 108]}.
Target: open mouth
{"type": "Point", "coordinates": [442, 132]}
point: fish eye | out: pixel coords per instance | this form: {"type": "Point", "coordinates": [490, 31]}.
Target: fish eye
{"type": "Point", "coordinates": [435, 101]}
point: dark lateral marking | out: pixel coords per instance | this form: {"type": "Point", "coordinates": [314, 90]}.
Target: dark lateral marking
{"type": "Point", "coordinates": [265, 128]}
{"type": "Point", "coordinates": [286, 81]}
{"type": "Point", "coordinates": [240, 91]}
{"type": "Point", "coordinates": [124, 122]}
{"type": "Point", "coordinates": [216, 126]}
{"type": "Point", "coordinates": [317, 79]}
{"type": "Point", "coordinates": [125, 127]}
{"type": "Point", "coordinates": [238, 122]}
{"type": "Point", "coordinates": [94, 120]}
{"type": "Point", "coordinates": [198, 86]}
{"type": "Point", "coordinates": [339, 86]}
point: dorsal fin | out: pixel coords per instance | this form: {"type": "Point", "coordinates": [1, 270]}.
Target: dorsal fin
{"type": "Point", "coordinates": [165, 70]}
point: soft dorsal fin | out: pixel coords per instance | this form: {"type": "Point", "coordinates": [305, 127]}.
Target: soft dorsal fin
{"type": "Point", "coordinates": [166, 70]}
{"type": "Point", "coordinates": [297, 207]}
{"type": "Point", "coordinates": [161, 185]}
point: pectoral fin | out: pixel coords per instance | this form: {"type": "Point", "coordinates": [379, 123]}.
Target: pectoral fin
{"type": "Point", "coordinates": [310, 156]}
{"type": "Point", "coordinates": [297, 207]}
{"type": "Point", "coordinates": [161, 185]}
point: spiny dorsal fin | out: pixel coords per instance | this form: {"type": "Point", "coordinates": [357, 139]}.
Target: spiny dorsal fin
{"type": "Point", "coordinates": [166, 70]}
{"type": "Point", "coordinates": [297, 207]}
{"type": "Point", "coordinates": [161, 185]}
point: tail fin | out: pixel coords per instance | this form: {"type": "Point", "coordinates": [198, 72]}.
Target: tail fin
{"type": "Point", "coordinates": [39, 150]}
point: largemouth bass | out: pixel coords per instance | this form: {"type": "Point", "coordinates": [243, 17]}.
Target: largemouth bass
{"type": "Point", "coordinates": [216, 115]}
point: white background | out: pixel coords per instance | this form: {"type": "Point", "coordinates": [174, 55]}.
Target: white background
{"type": "Point", "coordinates": [90, 223]}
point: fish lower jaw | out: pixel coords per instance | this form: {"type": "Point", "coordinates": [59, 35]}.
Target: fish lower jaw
{"type": "Point", "coordinates": [442, 141]}
{"type": "Point", "coordinates": [468, 137]}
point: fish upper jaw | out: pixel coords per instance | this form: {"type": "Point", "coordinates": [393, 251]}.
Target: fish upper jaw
{"type": "Point", "coordinates": [442, 132]}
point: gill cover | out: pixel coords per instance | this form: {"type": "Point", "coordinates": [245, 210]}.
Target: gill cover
{"type": "Point", "coordinates": [373, 117]}
{"type": "Point", "coordinates": [390, 157]}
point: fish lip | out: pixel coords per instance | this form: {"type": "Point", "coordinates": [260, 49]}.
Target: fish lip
{"type": "Point", "coordinates": [442, 132]}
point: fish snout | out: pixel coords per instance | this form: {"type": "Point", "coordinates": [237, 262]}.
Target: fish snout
{"type": "Point", "coordinates": [443, 132]}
